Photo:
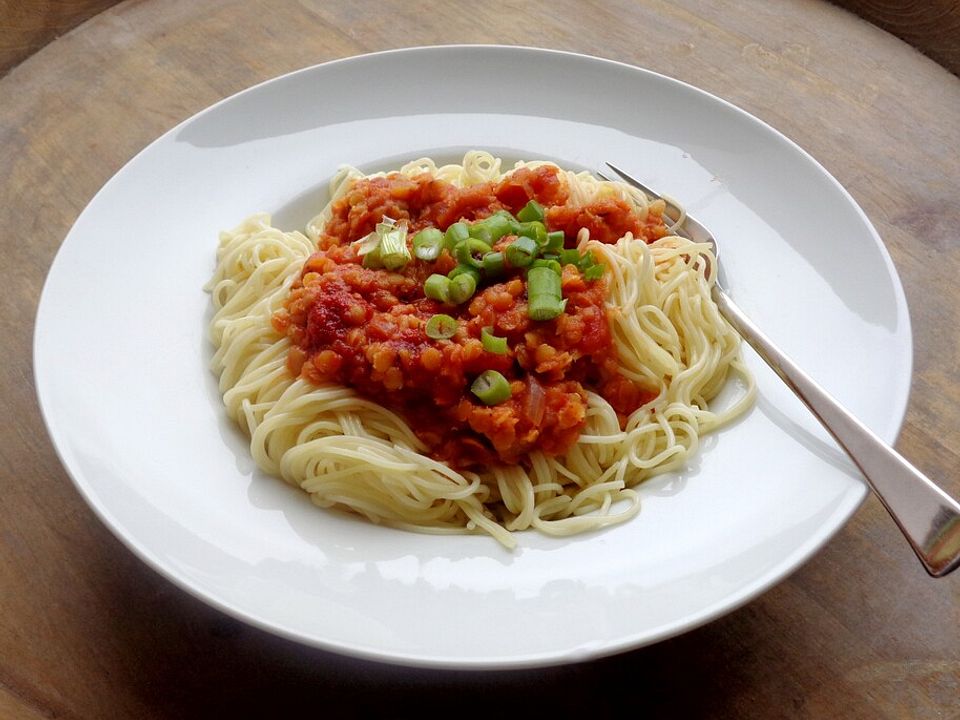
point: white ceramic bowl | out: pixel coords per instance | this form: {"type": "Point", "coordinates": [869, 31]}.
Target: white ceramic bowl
{"type": "Point", "coordinates": [121, 362]}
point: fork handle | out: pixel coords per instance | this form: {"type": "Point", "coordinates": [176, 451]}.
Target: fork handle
{"type": "Point", "coordinates": [927, 516]}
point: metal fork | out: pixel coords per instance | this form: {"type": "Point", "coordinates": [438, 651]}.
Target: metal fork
{"type": "Point", "coordinates": [925, 514]}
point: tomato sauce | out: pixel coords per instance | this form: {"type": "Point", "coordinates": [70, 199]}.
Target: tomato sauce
{"type": "Point", "coordinates": [365, 327]}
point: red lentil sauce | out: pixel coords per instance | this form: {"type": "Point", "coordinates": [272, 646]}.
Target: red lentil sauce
{"type": "Point", "coordinates": [364, 327]}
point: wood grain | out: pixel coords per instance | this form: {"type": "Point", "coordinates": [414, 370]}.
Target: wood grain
{"type": "Point", "coordinates": [87, 631]}
{"type": "Point", "coordinates": [28, 25]}
{"type": "Point", "coordinates": [931, 26]}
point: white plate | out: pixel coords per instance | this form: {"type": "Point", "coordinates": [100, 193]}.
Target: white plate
{"type": "Point", "coordinates": [121, 362]}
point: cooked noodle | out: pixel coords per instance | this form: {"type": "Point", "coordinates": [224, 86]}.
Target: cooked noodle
{"type": "Point", "coordinates": [349, 452]}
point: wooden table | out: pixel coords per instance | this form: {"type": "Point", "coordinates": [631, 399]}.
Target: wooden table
{"type": "Point", "coordinates": [88, 631]}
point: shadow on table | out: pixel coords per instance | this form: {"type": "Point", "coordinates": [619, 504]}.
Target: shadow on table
{"type": "Point", "coordinates": [188, 660]}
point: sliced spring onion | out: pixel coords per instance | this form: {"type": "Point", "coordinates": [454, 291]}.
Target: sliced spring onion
{"type": "Point", "coordinates": [555, 240]}
{"type": "Point", "coordinates": [368, 243]}
{"type": "Point", "coordinates": [441, 327]}
{"type": "Point", "coordinates": [501, 223]}
{"type": "Point", "coordinates": [492, 343]}
{"type": "Point", "coordinates": [543, 294]}
{"type": "Point", "coordinates": [521, 252]}
{"type": "Point", "coordinates": [530, 212]}
{"type": "Point", "coordinates": [570, 257]}
{"type": "Point", "coordinates": [470, 252]}
{"type": "Point", "coordinates": [393, 245]}
{"type": "Point", "coordinates": [481, 231]}
{"type": "Point", "coordinates": [437, 287]}
{"type": "Point", "coordinates": [462, 287]}
{"type": "Point", "coordinates": [455, 234]}
{"type": "Point", "coordinates": [491, 388]}
{"type": "Point", "coordinates": [493, 264]}
{"type": "Point", "coordinates": [594, 272]}
{"type": "Point", "coordinates": [372, 260]}
{"type": "Point", "coordinates": [552, 264]}
{"type": "Point", "coordinates": [534, 230]}
{"type": "Point", "coordinates": [427, 244]}
{"type": "Point", "coordinates": [368, 247]}
{"type": "Point", "coordinates": [461, 269]}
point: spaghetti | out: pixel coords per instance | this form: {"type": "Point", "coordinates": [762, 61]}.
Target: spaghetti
{"type": "Point", "coordinates": [351, 451]}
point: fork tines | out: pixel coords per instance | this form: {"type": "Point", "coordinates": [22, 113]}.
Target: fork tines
{"type": "Point", "coordinates": [631, 181]}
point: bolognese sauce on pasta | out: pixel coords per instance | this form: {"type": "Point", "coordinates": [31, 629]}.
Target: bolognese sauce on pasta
{"type": "Point", "coordinates": [457, 348]}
